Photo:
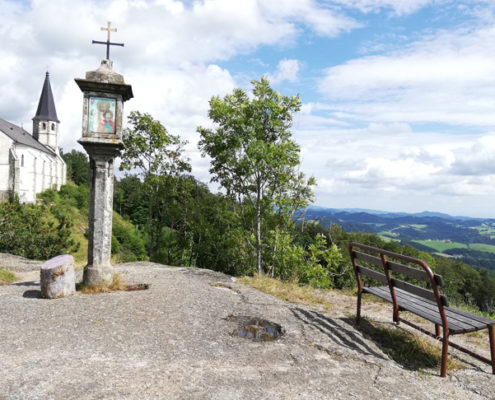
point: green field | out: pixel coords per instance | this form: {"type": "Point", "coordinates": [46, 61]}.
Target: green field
{"type": "Point", "coordinates": [418, 226]}
{"type": "Point", "coordinates": [486, 229]}
{"type": "Point", "coordinates": [388, 234]}
{"type": "Point", "coordinates": [489, 248]}
{"type": "Point", "coordinates": [388, 239]}
{"type": "Point", "coordinates": [440, 245]}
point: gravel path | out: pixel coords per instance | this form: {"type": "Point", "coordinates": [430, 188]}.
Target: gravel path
{"type": "Point", "coordinates": [174, 341]}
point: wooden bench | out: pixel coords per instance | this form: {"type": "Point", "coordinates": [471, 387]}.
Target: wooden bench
{"type": "Point", "coordinates": [395, 273]}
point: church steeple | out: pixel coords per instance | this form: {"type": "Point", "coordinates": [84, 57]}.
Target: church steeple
{"type": "Point", "coordinates": [45, 121]}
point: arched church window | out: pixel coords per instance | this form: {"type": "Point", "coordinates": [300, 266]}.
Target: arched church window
{"type": "Point", "coordinates": [43, 125]}
{"type": "Point", "coordinates": [53, 127]}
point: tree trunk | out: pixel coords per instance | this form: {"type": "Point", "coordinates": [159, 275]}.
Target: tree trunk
{"type": "Point", "coordinates": [150, 219]}
{"type": "Point", "coordinates": [258, 229]}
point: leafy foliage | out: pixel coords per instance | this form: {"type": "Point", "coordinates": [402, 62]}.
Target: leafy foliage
{"type": "Point", "coordinates": [156, 155]}
{"type": "Point", "coordinates": [32, 231]}
{"type": "Point", "coordinates": [77, 167]}
{"type": "Point", "coordinates": [254, 158]}
{"type": "Point", "coordinates": [126, 241]}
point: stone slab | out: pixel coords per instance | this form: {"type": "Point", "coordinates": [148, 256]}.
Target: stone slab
{"type": "Point", "coordinates": [174, 341]}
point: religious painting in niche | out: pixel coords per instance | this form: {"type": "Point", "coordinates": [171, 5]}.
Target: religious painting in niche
{"type": "Point", "coordinates": [101, 118]}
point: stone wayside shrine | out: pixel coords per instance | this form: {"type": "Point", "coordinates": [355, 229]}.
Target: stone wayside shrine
{"type": "Point", "coordinates": [104, 94]}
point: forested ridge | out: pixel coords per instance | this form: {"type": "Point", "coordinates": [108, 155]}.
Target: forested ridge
{"type": "Point", "coordinates": [255, 225]}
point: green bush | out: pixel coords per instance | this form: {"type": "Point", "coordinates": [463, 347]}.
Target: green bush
{"type": "Point", "coordinates": [128, 244]}
{"type": "Point", "coordinates": [76, 196]}
{"type": "Point", "coordinates": [31, 231]}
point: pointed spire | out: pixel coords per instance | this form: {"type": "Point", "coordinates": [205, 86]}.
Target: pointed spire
{"type": "Point", "coordinates": [46, 107]}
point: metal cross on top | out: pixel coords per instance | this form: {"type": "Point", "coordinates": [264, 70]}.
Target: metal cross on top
{"type": "Point", "coordinates": [108, 43]}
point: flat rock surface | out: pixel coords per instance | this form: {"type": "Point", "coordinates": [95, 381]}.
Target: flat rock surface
{"type": "Point", "coordinates": [175, 341]}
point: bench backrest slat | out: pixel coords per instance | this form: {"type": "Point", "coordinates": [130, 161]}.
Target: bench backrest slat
{"type": "Point", "coordinates": [372, 273]}
{"type": "Point", "coordinates": [368, 258]}
{"type": "Point", "coordinates": [418, 291]}
{"type": "Point", "coordinates": [415, 273]}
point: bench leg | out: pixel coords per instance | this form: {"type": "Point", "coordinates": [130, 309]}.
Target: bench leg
{"type": "Point", "coordinates": [397, 317]}
{"type": "Point", "coordinates": [358, 311]}
{"type": "Point", "coordinates": [445, 353]}
{"type": "Point", "coordinates": [437, 330]}
{"type": "Point", "coordinates": [491, 333]}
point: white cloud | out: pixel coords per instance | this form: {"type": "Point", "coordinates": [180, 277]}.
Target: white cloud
{"type": "Point", "coordinates": [477, 160]}
{"type": "Point", "coordinates": [287, 70]}
{"type": "Point", "coordinates": [400, 7]}
{"type": "Point", "coordinates": [364, 139]}
{"type": "Point", "coordinates": [323, 20]}
{"type": "Point", "coordinates": [169, 57]}
{"type": "Point", "coordinates": [447, 78]}
{"type": "Point", "coordinates": [392, 167]}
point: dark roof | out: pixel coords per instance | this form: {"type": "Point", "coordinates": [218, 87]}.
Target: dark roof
{"type": "Point", "coordinates": [19, 135]}
{"type": "Point", "coordinates": [46, 107]}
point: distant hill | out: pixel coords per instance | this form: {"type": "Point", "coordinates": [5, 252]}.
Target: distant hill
{"type": "Point", "coordinates": [471, 240]}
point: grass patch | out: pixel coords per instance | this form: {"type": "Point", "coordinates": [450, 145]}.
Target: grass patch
{"type": "Point", "coordinates": [440, 245]}
{"type": "Point", "coordinates": [418, 226]}
{"type": "Point", "coordinates": [388, 239]}
{"type": "Point", "coordinates": [488, 248]}
{"type": "Point", "coordinates": [117, 284]}
{"type": "Point", "coordinates": [288, 291]}
{"type": "Point", "coordinates": [475, 310]}
{"type": "Point", "coordinates": [7, 276]}
{"type": "Point", "coordinates": [406, 348]}
{"type": "Point", "coordinates": [389, 234]}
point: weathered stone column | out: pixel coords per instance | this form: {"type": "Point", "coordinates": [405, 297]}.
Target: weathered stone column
{"type": "Point", "coordinates": [99, 268]}
{"type": "Point", "coordinates": [104, 93]}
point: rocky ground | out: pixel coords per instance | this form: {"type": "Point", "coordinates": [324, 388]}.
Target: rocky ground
{"type": "Point", "coordinates": [175, 341]}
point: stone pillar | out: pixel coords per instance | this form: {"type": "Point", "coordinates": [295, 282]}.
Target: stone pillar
{"type": "Point", "coordinates": [104, 93]}
{"type": "Point", "coordinates": [99, 268]}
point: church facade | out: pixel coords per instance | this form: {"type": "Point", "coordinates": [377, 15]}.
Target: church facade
{"type": "Point", "coordinates": [30, 164]}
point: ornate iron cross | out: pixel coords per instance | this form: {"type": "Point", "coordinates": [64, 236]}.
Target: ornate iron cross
{"type": "Point", "coordinates": [108, 43]}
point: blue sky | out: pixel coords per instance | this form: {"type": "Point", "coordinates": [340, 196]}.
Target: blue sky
{"type": "Point", "coordinates": [398, 96]}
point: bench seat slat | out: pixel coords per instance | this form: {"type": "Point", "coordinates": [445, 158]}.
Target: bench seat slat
{"type": "Point", "coordinates": [380, 291]}
{"type": "Point", "coordinates": [429, 311]}
{"type": "Point", "coordinates": [458, 322]}
{"type": "Point", "coordinates": [372, 274]}
{"type": "Point", "coordinates": [487, 322]}
{"type": "Point", "coordinates": [384, 293]}
{"type": "Point", "coordinates": [467, 322]}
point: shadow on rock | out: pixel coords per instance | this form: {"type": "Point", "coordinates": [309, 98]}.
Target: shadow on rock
{"type": "Point", "coordinates": [32, 294]}
{"type": "Point", "coordinates": [338, 333]}
{"type": "Point", "coordinates": [28, 283]}
{"type": "Point", "coordinates": [404, 347]}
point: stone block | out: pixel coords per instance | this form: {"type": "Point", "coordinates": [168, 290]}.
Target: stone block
{"type": "Point", "coordinates": [57, 277]}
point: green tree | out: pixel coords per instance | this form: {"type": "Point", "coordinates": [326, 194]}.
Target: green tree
{"type": "Point", "coordinates": [253, 156]}
{"type": "Point", "coordinates": [154, 154]}
{"type": "Point", "coordinates": [77, 167]}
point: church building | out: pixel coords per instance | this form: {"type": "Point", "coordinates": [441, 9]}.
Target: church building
{"type": "Point", "coordinates": [30, 164]}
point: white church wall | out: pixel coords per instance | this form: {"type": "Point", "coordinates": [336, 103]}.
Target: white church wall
{"type": "Point", "coordinates": [5, 146]}
{"type": "Point", "coordinates": [35, 173]}
{"type": "Point", "coordinates": [5, 178]}
{"type": "Point", "coordinates": [26, 173]}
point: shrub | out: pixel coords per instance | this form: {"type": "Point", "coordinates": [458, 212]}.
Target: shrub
{"type": "Point", "coordinates": [129, 245]}
{"type": "Point", "coordinates": [31, 231]}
